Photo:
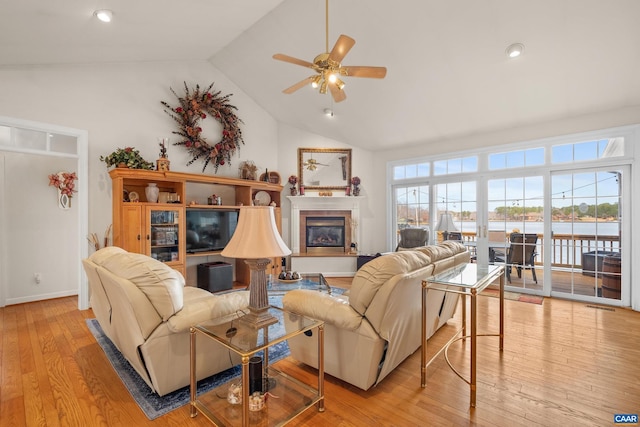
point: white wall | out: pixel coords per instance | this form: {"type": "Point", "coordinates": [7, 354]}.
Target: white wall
{"type": "Point", "coordinates": [40, 237]}
{"type": "Point", "coordinates": [119, 105]}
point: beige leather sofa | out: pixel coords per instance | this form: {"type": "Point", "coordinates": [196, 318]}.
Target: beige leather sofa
{"type": "Point", "coordinates": [144, 307]}
{"type": "Point", "coordinates": [371, 329]}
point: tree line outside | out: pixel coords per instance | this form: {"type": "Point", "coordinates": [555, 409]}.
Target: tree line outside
{"type": "Point", "coordinates": [408, 214]}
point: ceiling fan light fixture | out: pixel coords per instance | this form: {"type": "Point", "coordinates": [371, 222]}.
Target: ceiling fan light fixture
{"type": "Point", "coordinates": [104, 15]}
{"type": "Point", "coordinates": [323, 87]}
{"type": "Point", "coordinates": [329, 67]}
{"type": "Point", "coordinates": [515, 50]}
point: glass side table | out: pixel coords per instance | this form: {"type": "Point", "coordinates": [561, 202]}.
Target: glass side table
{"type": "Point", "coordinates": [466, 279]}
{"type": "Point", "coordinates": [291, 396]}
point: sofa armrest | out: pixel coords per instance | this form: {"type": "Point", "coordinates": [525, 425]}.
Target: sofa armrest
{"type": "Point", "coordinates": [200, 306]}
{"type": "Point", "coordinates": [331, 309]}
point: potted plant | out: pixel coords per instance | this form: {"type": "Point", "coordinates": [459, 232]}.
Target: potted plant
{"type": "Point", "coordinates": [127, 157]}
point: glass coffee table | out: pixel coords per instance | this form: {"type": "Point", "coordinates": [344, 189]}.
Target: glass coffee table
{"type": "Point", "coordinates": [466, 279]}
{"type": "Point", "coordinates": [286, 399]}
{"type": "Point", "coordinates": [313, 281]}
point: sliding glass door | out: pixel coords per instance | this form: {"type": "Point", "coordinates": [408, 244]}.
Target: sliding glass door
{"type": "Point", "coordinates": [515, 228]}
{"type": "Point", "coordinates": [412, 208]}
{"type": "Point", "coordinates": [586, 220]}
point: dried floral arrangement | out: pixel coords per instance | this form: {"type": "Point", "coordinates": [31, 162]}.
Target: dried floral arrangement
{"type": "Point", "coordinates": [64, 181]}
{"type": "Point", "coordinates": [196, 105]}
{"type": "Point", "coordinates": [248, 170]}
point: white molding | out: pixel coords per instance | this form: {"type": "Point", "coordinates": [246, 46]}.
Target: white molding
{"type": "Point", "coordinates": [332, 203]}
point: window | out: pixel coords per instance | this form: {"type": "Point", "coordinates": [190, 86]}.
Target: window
{"type": "Point", "coordinates": [517, 159]}
{"type": "Point", "coordinates": [417, 170]}
{"type": "Point", "coordinates": [412, 206]}
{"type": "Point", "coordinates": [590, 150]}
{"type": "Point", "coordinates": [453, 166]}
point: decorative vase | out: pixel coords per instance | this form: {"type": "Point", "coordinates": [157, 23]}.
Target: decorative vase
{"type": "Point", "coordinates": [294, 191]}
{"type": "Point", "coordinates": [356, 190]}
{"type": "Point", "coordinates": [152, 192]}
{"type": "Point", "coordinates": [122, 165]}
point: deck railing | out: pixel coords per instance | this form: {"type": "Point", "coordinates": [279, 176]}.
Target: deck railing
{"type": "Point", "coordinates": [568, 249]}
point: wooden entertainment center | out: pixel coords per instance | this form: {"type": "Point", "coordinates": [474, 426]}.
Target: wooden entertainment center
{"type": "Point", "coordinates": [159, 229]}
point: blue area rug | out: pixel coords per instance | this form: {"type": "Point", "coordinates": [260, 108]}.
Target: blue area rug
{"type": "Point", "coordinates": [155, 406]}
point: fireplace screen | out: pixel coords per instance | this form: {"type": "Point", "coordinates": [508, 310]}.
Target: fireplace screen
{"type": "Point", "coordinates": [325, 234]}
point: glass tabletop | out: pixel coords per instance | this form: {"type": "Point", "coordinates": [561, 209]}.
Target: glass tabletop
{"type": "Point", "coordinates": [469, 276]}
{"type": "Point", "coordinates": [245, 339]}
{"type": "Point", "coordinates": [313, 281]}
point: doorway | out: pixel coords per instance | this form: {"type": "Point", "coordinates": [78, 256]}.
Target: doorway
{"type": "Point", "coordinates": [42, 240]}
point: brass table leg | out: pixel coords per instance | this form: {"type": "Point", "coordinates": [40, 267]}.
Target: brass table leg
{"type": "Point", "coordinates": [321, 368]}
{"type": "Point", "coordinates": [474, 338]}
{"type": "Point", "coordinates": [192, 372]}
{"type": "Point", "coordinates": [245, 391]}
{"type": "Point", "coordinates": [464, 316]}
{"type": "Point", "coordinates": [501, 312]}
{"type": "Point", "coordinates": [423, 352]}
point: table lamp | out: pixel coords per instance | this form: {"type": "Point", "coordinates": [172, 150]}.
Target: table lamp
{"type": "Point", "coordinates": [445, 224]}
{"type": "Point", "coordinates": [257, 241]}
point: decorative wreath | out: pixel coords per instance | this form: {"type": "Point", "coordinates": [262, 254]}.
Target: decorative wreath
{"type": "Point", "coordinates": [196, 105]}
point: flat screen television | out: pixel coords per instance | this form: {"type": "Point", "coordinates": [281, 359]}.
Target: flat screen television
{"type": "Point", "coordinates": [210, 229]}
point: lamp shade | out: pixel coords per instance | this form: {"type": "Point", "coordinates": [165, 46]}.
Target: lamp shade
{"type": "Point", "coordinates": [256, 235]}
{"type": "Point", "coordinates": [445, 223]}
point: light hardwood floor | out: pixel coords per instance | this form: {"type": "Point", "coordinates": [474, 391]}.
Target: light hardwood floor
{"type": "Point", "coordinates": [565, 363]}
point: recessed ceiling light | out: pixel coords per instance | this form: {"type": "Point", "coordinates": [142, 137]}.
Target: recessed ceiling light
{"type": "Point", "coordinates": [104, 15]}
{"type": "Point", "coordinates": [515, 50]}
{"type": "Point", "coordinates": [328, 112]}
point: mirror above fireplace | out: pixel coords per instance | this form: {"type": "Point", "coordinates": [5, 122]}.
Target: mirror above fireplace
{"type": "Point", "coordinates": [324, 168]}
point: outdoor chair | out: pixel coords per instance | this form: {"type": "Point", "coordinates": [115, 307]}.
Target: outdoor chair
{"type": "Point", "coordinates": [413, 238]}
{"type": "Point", "coordinates": [497, 245]}
{"type": "Point", "coordinates": [522, 254]}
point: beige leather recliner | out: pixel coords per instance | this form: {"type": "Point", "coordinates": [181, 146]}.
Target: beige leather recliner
{"type": "Point", "coordinates": [146, 310]}
{"type": "Point", "coordinates": [371, 329]}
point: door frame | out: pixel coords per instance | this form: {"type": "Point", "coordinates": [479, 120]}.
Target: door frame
{"type": "Point", "coordinates": [80, 199]}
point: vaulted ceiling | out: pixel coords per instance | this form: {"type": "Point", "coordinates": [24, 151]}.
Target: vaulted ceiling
{"type": "Point", "coordinates": [448, 74]}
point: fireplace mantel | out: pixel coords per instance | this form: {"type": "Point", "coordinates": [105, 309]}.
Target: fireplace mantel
{"type": "Point", "coordinates": [332, 203]}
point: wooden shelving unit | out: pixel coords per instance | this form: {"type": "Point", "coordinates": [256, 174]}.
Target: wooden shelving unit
{"type": "Point", "coordinates": [133, 227]}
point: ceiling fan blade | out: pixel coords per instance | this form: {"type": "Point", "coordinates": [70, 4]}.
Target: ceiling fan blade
{"type": "Point", "coordinates": [337, 93]}
{"type": "Point", "coordinates": [299, 85]}
{"type": "Point", "coordinates": [371, 72]}
{"type": "Point", "coordinates": [292, 60]}
{"type": "Point", "coordinates": [341, 48]}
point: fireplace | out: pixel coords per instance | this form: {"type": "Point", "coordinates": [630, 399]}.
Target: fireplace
{"type": "Point", "coordinates": [342, 263]}
{"type": "Point", "coordinates": [325, 234]}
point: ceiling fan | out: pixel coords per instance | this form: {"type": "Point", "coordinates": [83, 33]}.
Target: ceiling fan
{"type": "Point", "coordinates": [329, 68]}
{"type": "Point", "coordinates": [312, 164]}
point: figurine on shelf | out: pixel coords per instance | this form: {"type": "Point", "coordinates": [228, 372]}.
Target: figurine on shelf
{"type": "Point", "coordinates": [355, 181]}
{"type": "Point", "coordinates": [293, 180]}
{"type": "Point", "coordinates": [162, 164]}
